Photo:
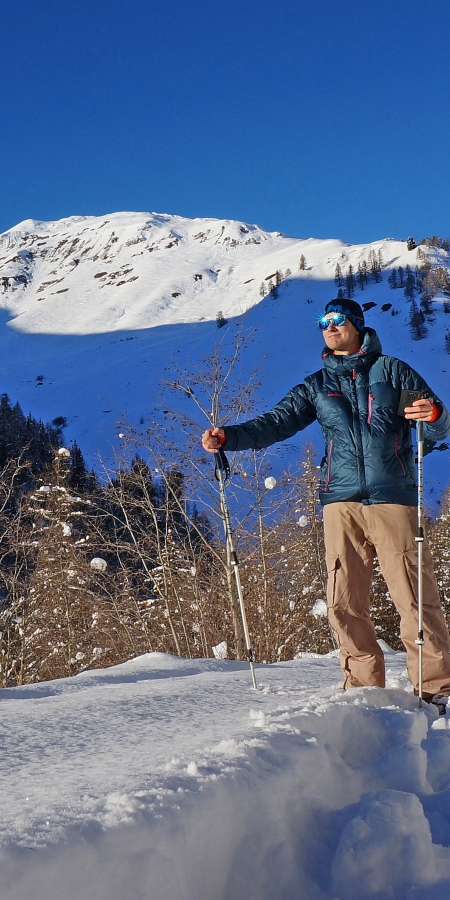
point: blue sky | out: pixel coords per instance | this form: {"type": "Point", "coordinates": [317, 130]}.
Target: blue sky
{"type": "Point", "coordinates": [315, 119]}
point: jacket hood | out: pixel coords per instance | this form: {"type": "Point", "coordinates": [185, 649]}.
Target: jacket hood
{"type": "Point", "coordinates": [369, 351]}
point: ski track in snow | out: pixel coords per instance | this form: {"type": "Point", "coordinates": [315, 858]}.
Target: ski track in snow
{"type": "Point", "coordinates": [170, 779]}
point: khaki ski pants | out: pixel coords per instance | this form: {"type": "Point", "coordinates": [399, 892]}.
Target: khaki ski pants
{"type": "Point", "coordinates": [354, 533]}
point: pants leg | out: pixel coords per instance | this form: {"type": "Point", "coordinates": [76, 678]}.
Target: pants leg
{"type": "Point", "coordinates": [393, 529]}
{"type": "Point", "coordinates": [349, 557]}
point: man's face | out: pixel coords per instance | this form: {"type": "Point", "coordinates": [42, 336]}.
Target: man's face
{"type": "Point", "coordinates": [342, 339]}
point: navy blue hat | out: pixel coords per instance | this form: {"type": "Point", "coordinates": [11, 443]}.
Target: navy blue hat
{"type": "Point", "coordinates": [350, 308]}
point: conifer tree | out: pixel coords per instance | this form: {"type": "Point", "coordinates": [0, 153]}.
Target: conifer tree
{"type": "Point", "coordinates": [392, 280]}
{"type": "Point", "coordinates": [273, 292]}
{"type": "Point", "coordinates": [417, 322]}
{"type": "Point", "coordinates": [360, 276]}
{"type": "Point", "coordinates": [350, 282]}
{"type": "Point", "coordinates": [375, 263]}
{"type": "Point", "coordinates": [410, 286]}
{"type": "Point", "coordinates": [78, 472]}
{"type": "Point", "coordinates": [24, 435]}
{"type": "Point", "coordinates": [447, 341]}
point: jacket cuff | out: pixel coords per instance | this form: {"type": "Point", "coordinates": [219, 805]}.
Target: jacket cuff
{"type": "Point", "coordinates": [436, 412]}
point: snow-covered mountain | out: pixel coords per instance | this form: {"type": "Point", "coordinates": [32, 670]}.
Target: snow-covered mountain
{"type": "Point", "coordinates": [94, 309]}
{"type": "Point", "coordinates": [132, 272]}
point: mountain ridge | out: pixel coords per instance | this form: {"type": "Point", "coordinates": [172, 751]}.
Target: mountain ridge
{"type": "Point", "coordinates": [98, 307]}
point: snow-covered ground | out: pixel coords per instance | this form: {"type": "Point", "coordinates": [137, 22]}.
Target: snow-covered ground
{"type": "Point", "coordinates": [171, 779]}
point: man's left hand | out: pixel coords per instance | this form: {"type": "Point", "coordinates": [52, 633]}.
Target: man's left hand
{"type": "Point", "coordinates": [421, 411]}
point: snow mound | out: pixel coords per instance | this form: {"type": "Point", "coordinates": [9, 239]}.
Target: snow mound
{"type": "Point", "coordinates": [169, 778]}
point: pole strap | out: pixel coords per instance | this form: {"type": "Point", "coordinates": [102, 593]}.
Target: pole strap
{"type": "Point", "coordinates": [222, 465]}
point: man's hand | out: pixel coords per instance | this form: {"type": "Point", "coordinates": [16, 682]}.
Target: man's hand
{"type": "Point", "coordinates": [421, 411]}
{"type": "Point", "coordinates": [212, 439]}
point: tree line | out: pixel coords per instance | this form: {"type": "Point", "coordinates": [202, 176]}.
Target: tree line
{"type": "Point", "coordinates": [99, 568]}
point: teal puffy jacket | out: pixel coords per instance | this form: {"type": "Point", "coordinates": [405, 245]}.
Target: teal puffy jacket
{"type": "Point", "coordinates": [369, 455]}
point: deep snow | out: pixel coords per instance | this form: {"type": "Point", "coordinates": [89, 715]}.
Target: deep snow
{"type": "Point", "coordinates": [171, 779]}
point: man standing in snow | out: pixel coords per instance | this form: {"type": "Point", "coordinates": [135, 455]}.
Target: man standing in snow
{"type": "Point", "coordinates": [368, 490]}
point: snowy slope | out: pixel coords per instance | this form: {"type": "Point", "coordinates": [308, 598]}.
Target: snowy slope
{"type": "Point", "coordinates": [171, 779]}
{"type": "Point", "coordinates": [100, 306]}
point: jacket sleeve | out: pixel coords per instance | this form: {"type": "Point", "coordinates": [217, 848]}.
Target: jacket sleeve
{"type": "Point", "coordinates": [295, 412]}
{"type": "Point", "coordinates": [432, 431]}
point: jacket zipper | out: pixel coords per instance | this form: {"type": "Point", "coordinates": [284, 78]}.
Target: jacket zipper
{"type": "Point", "coordinates": [327, 479]}
{"type": "Point", "coordinates": [369, 414]}
{"type": "Point", "coordinates": [396, 449]}
{"type": "Point", "coordinates": [360, 462]}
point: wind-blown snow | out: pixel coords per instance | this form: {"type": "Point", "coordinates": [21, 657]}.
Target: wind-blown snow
{"type": "Point", "coordinates": [171, 779]}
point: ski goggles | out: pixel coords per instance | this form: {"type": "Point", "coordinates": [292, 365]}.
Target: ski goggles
{"type": "Point", "coordinates": [336, 318]}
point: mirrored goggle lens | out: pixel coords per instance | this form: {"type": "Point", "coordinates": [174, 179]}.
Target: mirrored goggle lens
{"type": "Point", "coordinates": [336, 319]}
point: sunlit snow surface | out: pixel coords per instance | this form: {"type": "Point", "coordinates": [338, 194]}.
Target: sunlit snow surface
{"type": "Point", "coordinates": [171, 779]}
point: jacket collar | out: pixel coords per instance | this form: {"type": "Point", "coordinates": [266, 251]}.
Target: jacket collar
{"type": "Point", "coordinates": [369, 351]}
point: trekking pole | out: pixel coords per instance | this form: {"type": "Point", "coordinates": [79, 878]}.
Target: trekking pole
{"type": "Point", "coordinates": [222, 473]}
{"type": "Point", "coordinates": [419, 539]}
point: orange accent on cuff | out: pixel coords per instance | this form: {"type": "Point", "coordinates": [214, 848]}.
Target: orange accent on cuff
{"type": "Point", "coordinates": [435, 413]}
{"type": "Point", "coordinates": [223, 440]}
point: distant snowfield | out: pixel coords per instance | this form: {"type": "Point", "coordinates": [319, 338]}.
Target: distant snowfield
{"type": "Point", "coordinates": [171, 779]}
{"type": "Point", "coordinates": [103, 308]}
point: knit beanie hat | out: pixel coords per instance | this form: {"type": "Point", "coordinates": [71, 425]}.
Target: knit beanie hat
{"type": "Point", "coordinates": [350, 308]}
